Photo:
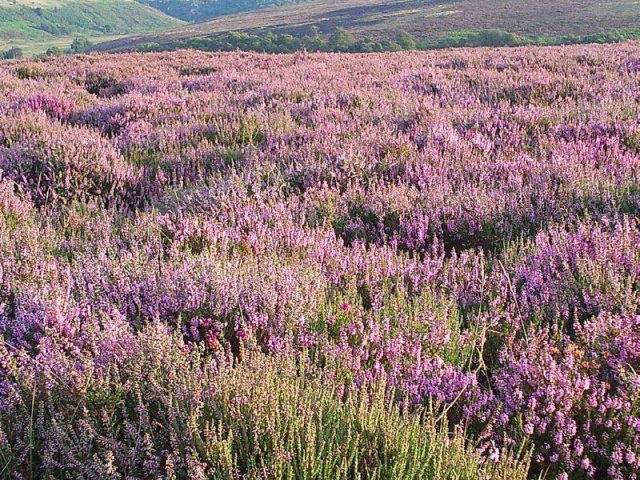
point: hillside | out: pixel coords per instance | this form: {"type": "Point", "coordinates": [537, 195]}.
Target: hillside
{"type": "Point", "coordinates": [35, 25]}
{"type": "Point", "coordinates": [195, 10]}
{"type": "Point", "coordinates": [430, 20]}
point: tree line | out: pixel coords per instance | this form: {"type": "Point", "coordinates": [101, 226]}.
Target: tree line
{"type": "Point", "coordinates": [341, 40]}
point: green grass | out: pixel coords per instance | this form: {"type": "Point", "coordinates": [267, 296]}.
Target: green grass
{"type": "Point", "coordinates": [38, 46]}
{"type": "Point", "coordinates": [36, 26]}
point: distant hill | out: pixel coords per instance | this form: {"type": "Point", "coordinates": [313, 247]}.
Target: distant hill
{"type": "Point", "coordinates": [35, 24]}
{"type": "Point", "coordinates": [426, 20]}
{"type": "Point", "coordinates": [194, 10]}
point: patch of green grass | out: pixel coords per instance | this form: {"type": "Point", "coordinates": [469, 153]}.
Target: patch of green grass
{"type": "Point", "coordinates": [36, 47]}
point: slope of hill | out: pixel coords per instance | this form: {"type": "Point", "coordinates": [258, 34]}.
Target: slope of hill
{"type": "Point", "coordinates": [427, 20]}
{"type": "Point", "coordinates": [34, 25]}
{"type": "Point", "coordinates": [194, 10]}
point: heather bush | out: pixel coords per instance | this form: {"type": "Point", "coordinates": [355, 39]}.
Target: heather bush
{"type": "Point", "coordinates": [570, 397]}
{"type": "Point", "coordinates": [12, 208]}
{"type": "Point", "coordinates": [575, 276]}
{"type": "Point", "coordinates": [148, 405]}
{"type": "Point", "coordinates": [55, 164]}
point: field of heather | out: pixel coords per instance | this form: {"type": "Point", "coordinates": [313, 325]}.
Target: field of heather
{"type": "Point", "coordinates": [396, 266]}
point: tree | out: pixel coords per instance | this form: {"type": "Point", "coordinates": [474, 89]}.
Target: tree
{"type": "Point", "coordinates": [406, 40]}
{"type": "Point", "coordinates": [80, 45]}
{"type": "Point", "coordinates": [13, 53]}
{"type": "Point", "coordinates": [54, 52]}
{"type": "Point", "coordinates": [149, 47]}
{"type": "Point", "coordinates": [342, 40]}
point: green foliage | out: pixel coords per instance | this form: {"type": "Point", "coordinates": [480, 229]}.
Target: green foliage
{"type": "Point", "coordinates": [270, 42]}
{"type": "Point", "coordinates": [343, 41]}
{"type": "Point", "coordinates": [149, 47]}
{"type": "Point", "coordinates": [12, 54]}
{"type": "Point", "coordinates": [80, 45]}
{"type": "Point", "coordinates": [479, 38]}
{"type": "Point", "coordinates": [54, 52]}
{"type": "Point", "coordinates": [278, 417]}
{"type": "Point", "coordinates": [621, 35]}
{"type": "Point", "coordinates": [406, 41]}
{"type": "Point", "coordinates": [501, 38]}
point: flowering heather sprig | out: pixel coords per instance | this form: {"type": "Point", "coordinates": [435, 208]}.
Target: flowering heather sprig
{"type": "Point", "coordinates": [630, 66]}
{"type": "Point", "coordinates": [57, 107]}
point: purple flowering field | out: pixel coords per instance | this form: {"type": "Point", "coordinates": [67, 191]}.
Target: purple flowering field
{"type": "Point", "coordinates": [321, 266]}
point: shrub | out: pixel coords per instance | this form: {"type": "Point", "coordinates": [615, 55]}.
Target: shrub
{"type": "Point", "coordinates": [163, 411]}
{"type": "Point", "coordinates": [80, 45]}
{"type": "Point", "coordinates": [13, 53]}
{"type": "Point", "coordinates": [55, 164]}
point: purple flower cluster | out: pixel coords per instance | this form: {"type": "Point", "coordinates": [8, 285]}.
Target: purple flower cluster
{"type": "Point", "coordinates": [461, 225]}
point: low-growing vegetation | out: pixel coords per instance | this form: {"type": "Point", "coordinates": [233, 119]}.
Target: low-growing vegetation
{"type": "Point", "coordinates": [321, 266]}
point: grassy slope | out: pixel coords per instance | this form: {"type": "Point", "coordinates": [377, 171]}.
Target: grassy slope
{"type": "Point", "coordinates": [195, 10]}
{"type": "Point", "coordinates": [35, 25]}
{"type": "Point", "coordinates": [425, 19]}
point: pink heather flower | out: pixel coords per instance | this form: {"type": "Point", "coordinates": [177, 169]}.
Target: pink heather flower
{"type": "Point", "coordinates": [241, 334]}
{"type": "Point", "coordinates": [54, 106]}
{"type": "Point", "coordinates": [212, 340]}
{"type": "Point", "coordinates": [345, 307]}
{"type": "Point", "coordinates": [494, 455]}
